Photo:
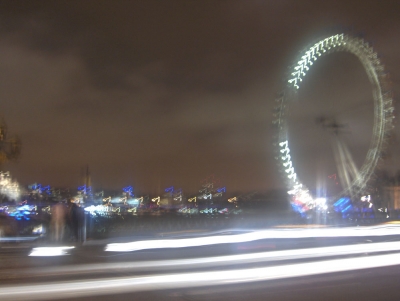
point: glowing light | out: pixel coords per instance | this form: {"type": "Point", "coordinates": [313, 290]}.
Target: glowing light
{"type": "Point", "coordinates": [134, 202]}
{"type": "Point", "coordinates": [343, 205]}
{"type": "Point", "coordinates": [209, 210]}
{"type": "Point", "coordinates": [320, 201]}
{"type": "Point", "coordinates": [133, 210]}
{"type": "Point", "coordinates": [183, 210]}
{"type": "Point", "coordinates": [231, 200]}
{"type": "Point", "coordinates": [118, 200]}
{"type": "Point", "coordinates": [188, 210]}
{"type": "Point", "coordinates": [17, 239]}
{"type": "Point", "coordinates": [253, 236]}
{"type": "Point", "coordinates": [23, 212]}
{"type": "Point", "coordinates": [101, 209]}
{"type": "Point", "coordinates": [311, 56]}
{"type": "Point", "coordinates": [50, 251]}
{"type": "Point", "coordinates": [218, 261]}
{"type": "Point", "coordinates": [179, 280]}
{"type": "Point", "coordinates": [355, 182]}
{"type": "Point", "coordinates": [366, 198]}
{"type": "Point", "coordinates": [116, 209]}
{"type": "Point", "coordinates": [128, 190]}
{"type": "Point", "coordinates": [85, 190]}
{"type": "Point", "coordinates": [157, 199]}
{"type": "Point", "coordinates": [287, 161]}
{"type": "Point", "coordinates": [192, 200]}
{"type": "Point", "coordinates": [207, 196]}
{"type": "Point", "coordinates": [178, 195]}
{"type": "Point", "coordinates": [169, 189]}
{"type": "Point", "coordinates": [47, 189]}
{"type": "Point", "coordinates": [9, 187]}
{"type": "Point", "coordinates": [38, 229]}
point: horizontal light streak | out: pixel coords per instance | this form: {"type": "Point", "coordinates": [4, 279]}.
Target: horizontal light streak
{"type": "Point", "coordinates": [192, 263]}
{"type": "Point", "coordinates": [16, 239]}
{"type": "Point", "coordinates": [50, 251]}
{"type": "Point", "coordinates": [253, 236]}
{"type": "Point", "coordinates": [74, 289]}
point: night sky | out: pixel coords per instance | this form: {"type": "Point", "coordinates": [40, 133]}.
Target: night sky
{"type": "Point", "coordinates": [164, 93]}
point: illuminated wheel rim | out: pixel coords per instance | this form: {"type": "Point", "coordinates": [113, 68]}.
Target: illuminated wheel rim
{"type": "Point", "coordinates": [383, 112]}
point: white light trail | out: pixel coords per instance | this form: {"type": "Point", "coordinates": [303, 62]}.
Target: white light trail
{"type": "Point", "coordinates": [121, 285]}
{"type": "Point", "coordinates": [217, 261]}
{"type": "Point", "coordinates": [253, 236]}
{"type": "Point", "coordinates": [50, 251]}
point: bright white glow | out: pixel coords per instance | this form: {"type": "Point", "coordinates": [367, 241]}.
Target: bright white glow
{"type": "Point", "coordinates": [9, 187]}
{"type": "Point", "coordinates": [38, 229]}
{"type": "Point", "coordinates": [320, 201]}
{"type": "Point", "coordinates": [287, 162]}
{"type": "Point", "coordinates": [253, 236]}
{"type": "Point", "coordinates": [99, 209]}
{"type": "Point", "coordinates": [217, 261]}
{"type": "Point", "coordinates": [50, 251]}
{"type": "Point", "coordinates": [168, 281]}
{"type": "Point", "coordinates": [366, 198]}
{"type": "Point", "coordinates": [311, 56]}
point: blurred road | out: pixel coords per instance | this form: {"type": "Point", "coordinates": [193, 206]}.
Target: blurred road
{"type": "Point", "coordinates": [304, 268]}
{"type": "Point", "coordinates": [368, 285]}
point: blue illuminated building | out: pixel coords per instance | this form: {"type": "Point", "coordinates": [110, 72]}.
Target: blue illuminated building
{"type": "Point", "coordinates": [128, 190]}
{"type": "Point", "coordinates": [344, 206]}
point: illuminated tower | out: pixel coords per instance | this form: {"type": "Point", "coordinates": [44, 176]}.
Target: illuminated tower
{"type": "Point", "coordinates": [87, 179]}
{"type": "Point", "coordinates": [85, 191]}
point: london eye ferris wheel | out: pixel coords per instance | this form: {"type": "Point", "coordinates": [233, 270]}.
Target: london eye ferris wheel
{"type": "Point", "coordinates": [353, 180]}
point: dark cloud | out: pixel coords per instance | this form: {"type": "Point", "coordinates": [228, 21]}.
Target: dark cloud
{"type": "Point", "coordinates": [155, 93]}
